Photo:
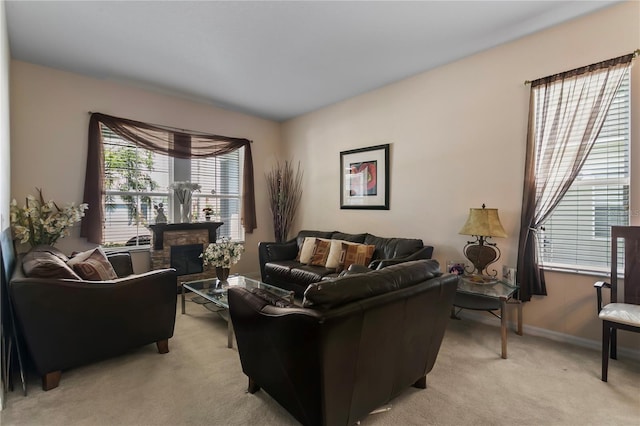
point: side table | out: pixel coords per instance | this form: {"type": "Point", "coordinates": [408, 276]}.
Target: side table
{"type": "Point", "coordinates": [488, 297]}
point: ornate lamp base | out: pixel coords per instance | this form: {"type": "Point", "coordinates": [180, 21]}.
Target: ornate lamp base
{"type": "Point", "coordinates": [481, 254]}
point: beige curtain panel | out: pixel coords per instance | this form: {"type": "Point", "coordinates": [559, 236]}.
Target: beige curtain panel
{"type": "Point", "coordinates": [566, 114]}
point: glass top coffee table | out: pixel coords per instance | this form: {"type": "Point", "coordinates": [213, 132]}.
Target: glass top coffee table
{"type": "Point", "coordinates": [213, 295]}
{"type": "Point", "coordinates": [490, 296]}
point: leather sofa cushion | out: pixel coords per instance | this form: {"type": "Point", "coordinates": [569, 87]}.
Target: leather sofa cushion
{"type": "Point", "coordinates": [389, 248]}
{"type": "Point", "coordinates": [280, 270]}
{"type": "Point", "coordinates": [308, 274]}
{"type": "Point", "coordinates": [292, 271]}
{"type": "Point", "coordinates": [318, 234]}
{"type": "Point", "coordinates": [352, 238]}
{"type": "Point", "coordinates": [339, 291]}
{"type": "Point", "coordinates": [288, 250]}
{"type": "Point", "coordinates": [121, 263]}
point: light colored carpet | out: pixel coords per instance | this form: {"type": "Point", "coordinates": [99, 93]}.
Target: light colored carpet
{"type": "Point", "coordinates": [200, 382]}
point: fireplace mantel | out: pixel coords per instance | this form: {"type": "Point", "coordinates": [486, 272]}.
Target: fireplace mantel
{"type": "Point", "coordinates": [160, 228]}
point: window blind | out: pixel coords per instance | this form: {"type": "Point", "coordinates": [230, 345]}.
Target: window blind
{"type": "Point", "coordinates": [576, 236]}
{"type": "Point", "coordinates": [220, 179]}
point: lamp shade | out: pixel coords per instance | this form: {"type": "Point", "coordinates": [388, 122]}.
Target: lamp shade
{"type": "Point", "coordinates": [483, 223]}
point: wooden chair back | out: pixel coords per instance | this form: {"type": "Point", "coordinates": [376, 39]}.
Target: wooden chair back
{"type": "Point", "coordinates": [630, 235]}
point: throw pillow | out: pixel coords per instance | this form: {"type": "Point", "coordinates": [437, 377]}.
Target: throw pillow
{"type": "Point", "coordinates": [51, 250]}
{"type": "Point", "coordinates": [320, 252]}
{"type": "Point", "coordinates": [80, 256]}
{"type": "Point", "coordinates": [335, 253]}
{"type": "Point", "coordinates": [41, 264]}
{"type": "Point", "coordinates": [93, 266]}
{"type": "Point", "coordinates": [358, 254]}
{"type": "Point", "coordinates": [306, 251]}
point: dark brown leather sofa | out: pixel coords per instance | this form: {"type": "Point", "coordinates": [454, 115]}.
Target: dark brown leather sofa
{"type": "Point", "coordinates": [279, 267]}
{"type": "Point", "coordinates": [66, 323]}
{"type": "Point", "coordinates": [359, 341]}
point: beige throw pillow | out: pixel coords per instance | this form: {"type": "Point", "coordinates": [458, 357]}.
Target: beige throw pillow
{"type": "Point", "coordinates": [335, 253]}
{"type": "Point", "coordinates": [306, 251]}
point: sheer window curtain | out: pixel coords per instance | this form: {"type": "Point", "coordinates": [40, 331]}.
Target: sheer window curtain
{"type": "Point", "coordinates": [566, 113]}
{"type": "Point", "coordinates": [170, 141]}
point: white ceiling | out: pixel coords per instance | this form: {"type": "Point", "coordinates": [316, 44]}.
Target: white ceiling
{"type": "Point", "coordinates": [273, 59]}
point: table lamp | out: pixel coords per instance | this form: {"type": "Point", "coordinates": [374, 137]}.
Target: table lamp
{"type": "Point", "coordinates": [482, 223]}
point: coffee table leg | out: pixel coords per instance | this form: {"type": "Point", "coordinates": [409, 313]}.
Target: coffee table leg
{"type": "Point", "coordinates": [503, 327]}
{"type": "Point", "coordinates": [519, 332]}
{"type": "Point", "coordinates": [182, 285]}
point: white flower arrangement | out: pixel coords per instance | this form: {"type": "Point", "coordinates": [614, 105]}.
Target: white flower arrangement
{"type": "Point", "coordinates": [223, 253]}
{"type": "Point", "coordinates": [39, 222]}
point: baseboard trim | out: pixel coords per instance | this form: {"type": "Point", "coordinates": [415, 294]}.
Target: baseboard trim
{"type": "Point", "coordinates": [548, 334]}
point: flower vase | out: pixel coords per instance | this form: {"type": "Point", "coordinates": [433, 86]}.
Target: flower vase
{"type": "Point", "coordinates": [185, 213]}
{"type": "Point", "coordinates": [222, 274]}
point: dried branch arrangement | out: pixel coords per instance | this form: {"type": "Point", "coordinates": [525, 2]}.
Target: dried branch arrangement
{"type": "Point", "coordinates": [285, 192]}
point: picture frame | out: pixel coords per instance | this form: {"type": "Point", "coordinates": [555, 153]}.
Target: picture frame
{"type": "Point", "coordinates": [364, 178]}
{"type": "Point", "coordinates": [456, 267]}
{"type": "Point", "coordinates": [509, 275]}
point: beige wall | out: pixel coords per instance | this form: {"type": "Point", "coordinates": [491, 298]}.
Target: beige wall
{"type": "Point", "coordinates": [457, 136]}
{"type": "Point", "coordinates": [49, 122]}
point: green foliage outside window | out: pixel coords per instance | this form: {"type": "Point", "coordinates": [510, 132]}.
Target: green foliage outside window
{"type": "Point", "coordinates": [128, 169]}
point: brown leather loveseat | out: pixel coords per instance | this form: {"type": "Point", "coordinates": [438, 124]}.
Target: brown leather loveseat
{"type": "Point", "coordinates": [358, 341]}
{"type": "Point", "coordinates": [281, 265]}
{"type": "Point", "coordinates": [66, 321]}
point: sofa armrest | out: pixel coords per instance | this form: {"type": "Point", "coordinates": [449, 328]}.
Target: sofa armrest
{"type": "Point", "coordinates": [424, 253]}
{"type": "Point", "coordinates": [271, 252]}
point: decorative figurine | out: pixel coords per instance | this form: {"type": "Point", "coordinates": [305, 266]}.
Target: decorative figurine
{"type": "Point", "coordinates": [208, 212]}
{"type": "Point", "coordinates": [160, 217]}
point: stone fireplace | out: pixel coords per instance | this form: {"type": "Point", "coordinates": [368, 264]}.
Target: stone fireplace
{"type": "Point", "coordinates": [179, 245]}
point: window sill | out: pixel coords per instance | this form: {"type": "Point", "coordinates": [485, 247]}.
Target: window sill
{"type": "Point", "coordinates": [127, 249]}
{"type": "Point", "coordinates": [599, 272]}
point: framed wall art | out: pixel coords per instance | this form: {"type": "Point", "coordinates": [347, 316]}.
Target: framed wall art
{"type": "Point", "coordinates": [509, 275]}
{"type": "Point", "coordinates": [364, 178]}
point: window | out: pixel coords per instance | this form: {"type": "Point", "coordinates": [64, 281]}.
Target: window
{"type": "Point", "coordinates": [577, 234]}
{"type": "Point", "coordinates": [136, 182]}
{"type": "Point", "coordinates": [221, 189]}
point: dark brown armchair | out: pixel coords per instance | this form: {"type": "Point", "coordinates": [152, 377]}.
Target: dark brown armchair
{"type": "Point", "coordinates": [623, 312]}
{"type": "Point", "coordinates": [66, 323]}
